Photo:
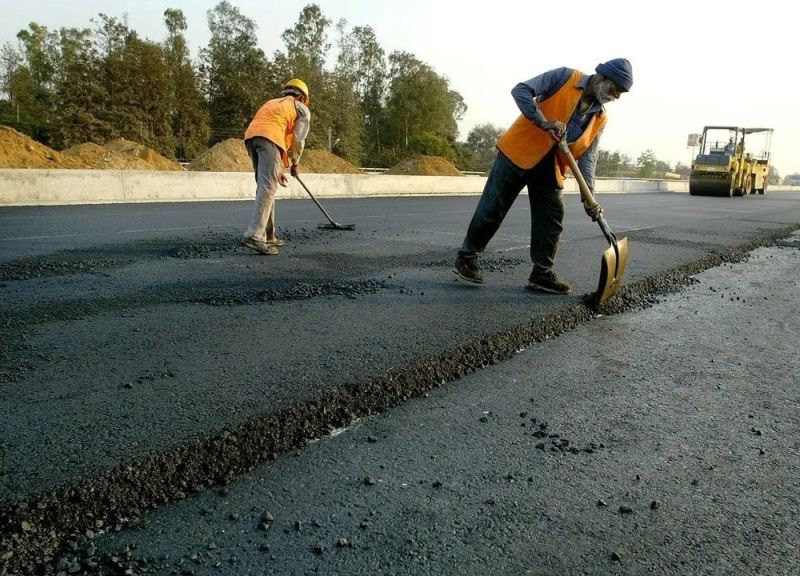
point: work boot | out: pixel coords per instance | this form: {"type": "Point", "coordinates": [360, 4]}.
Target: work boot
{"type": "Point", "coordinates": [467, 268]}
{"type": "Point", "coordinates": [547, 281]}
{"type": "Point", "coordinates": [259, 246]}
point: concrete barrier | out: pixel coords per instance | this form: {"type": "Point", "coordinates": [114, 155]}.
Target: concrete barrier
{"type": "Point", "coordinates": [61, 187]}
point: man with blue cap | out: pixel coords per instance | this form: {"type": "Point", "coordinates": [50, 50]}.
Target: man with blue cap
{"type": "Point", "coordinates": [559, 102]}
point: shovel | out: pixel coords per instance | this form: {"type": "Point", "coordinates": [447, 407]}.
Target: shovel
{"type": "Point", "coordinates": [333, 225]}
{"type": "Point", "coordinates": [614, 258]}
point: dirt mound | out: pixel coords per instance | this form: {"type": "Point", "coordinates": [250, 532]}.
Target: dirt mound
{"type": "Point", "coordinates": [324, 162]}
{"type": "Point", "coordinates": [153, 159]}
{"type": "Point", "coordinates": [231, 156]}
{"type": "Point", "coordinates": [20, 151]}
{"type": "Point", "coordinates": [227, 156]}
{"type": "Point", "coordinates": [425, 166]}
{"type": "Point", "coordinates": [101, 158]}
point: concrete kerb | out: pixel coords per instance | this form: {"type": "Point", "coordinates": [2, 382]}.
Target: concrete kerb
{"type": "Point", "coordinates": [23, 187]}
{"type": "Point", "coordinates": [63, 187]}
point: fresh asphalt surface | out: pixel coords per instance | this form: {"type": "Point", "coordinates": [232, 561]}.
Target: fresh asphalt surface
{"type": "Point", "coordinates": [145, 327]}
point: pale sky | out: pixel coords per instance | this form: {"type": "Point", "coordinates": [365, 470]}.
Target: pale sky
{"type": "Point", "coordinates": [695, 63]}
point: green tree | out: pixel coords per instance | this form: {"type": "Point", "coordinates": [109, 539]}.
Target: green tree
{"type": "Point", "coordinates": [481, 142]}
{"type": "Point", "coordinates": [136, 82]}
{"type": "Point", "coordinates": [189, 118]}
{"type": "Point", "coordinates": [34, 82]}
{"type": "Point", "coordinates": [10, 66]}
{"type": "Point", "coordinates": [614, 164]}
{"type": "Point", "coordinates": [363, 60]}
{"type": "Point", "coordinates": [111, 38]}
{"type": "Point", "coordinates": [431, 144]}
{"type": "Point", "coordinates": [78, 95]}
{"type": "Point", "coordinates": [419, 101]}
{"type": "Point", "coordinates": [347, 122]}
{"type": "Point", "coordinates": [307, 49]}
{"type": "Point", "coordinates": [234, 70]}
{"type": "Point", "coordinates": [646, 164]}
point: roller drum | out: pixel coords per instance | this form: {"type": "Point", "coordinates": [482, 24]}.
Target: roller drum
{"type": "Point", "coordinates": [710, 187]}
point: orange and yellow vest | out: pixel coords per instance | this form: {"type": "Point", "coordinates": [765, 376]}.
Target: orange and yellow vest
{"type": "Point", "coordinates": [275, 121]}
{"type": "Point", "coordinates": [525, 144]}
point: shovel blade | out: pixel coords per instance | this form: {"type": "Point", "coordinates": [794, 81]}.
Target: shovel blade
{"type": "Point", "coordinates": [612, 268]}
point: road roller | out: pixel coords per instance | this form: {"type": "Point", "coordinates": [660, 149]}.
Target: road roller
{"type": "Point", "coordinates": [733, 161]}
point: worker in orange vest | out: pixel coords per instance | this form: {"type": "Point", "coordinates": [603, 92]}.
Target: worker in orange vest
{"type": "Point", "coordinates": [559, 102]}
{"type": "Point", "coordinates": [275, 140]}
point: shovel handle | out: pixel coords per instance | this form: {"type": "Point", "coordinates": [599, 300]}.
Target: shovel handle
{"type": "Point", "coordinates": [573, 166]}
{"type": "Point", "coordinates": [586, 194]}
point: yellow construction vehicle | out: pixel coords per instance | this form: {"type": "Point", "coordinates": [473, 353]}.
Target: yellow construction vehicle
{"type": "Point", "coordinates": [726, 166]}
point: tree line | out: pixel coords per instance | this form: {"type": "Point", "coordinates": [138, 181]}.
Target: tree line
{"type": "Point", "coordinates": [69, 86]}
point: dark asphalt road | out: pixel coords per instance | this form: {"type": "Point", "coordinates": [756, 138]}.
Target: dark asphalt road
{"type": "Point", "coordinates": [663, 441]}
{"type": "Point", "coordinates": [144, 337]}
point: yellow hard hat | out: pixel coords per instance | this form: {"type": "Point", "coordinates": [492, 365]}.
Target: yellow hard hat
{"type": "Point", "coordinates": [300, 85]}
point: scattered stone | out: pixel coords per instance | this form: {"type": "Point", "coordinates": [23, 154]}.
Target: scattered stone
{"type": "Point", "coordinates": [655, 505]}
{"type": "Point", "coordinates": [625, 509]}
{"type": "Point", "coordinates": [265, 523]}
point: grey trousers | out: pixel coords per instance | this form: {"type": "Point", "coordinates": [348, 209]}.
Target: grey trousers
{"type": "Point", "coordinates": [267, 166]}
{"type": "Point", "coordinates": [503, 185]}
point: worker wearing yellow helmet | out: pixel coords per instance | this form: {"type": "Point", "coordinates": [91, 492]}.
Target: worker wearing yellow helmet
{"type": "Point", "coordinates": [275, 140]}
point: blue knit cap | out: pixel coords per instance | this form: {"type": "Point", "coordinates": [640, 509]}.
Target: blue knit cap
{"type": "Point", "coordinates": [619, 70]}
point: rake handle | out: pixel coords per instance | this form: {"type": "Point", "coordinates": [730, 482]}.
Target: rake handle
{"type": "Point", "coordinates": [317, 202]}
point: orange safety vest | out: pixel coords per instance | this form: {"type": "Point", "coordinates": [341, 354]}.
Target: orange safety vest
{"type": "Point", "coordinates": [275, 121]}
{"type": "Point", "coordinates": [525, 144]}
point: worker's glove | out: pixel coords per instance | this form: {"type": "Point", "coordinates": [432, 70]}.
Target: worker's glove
{"type": "Point", "coordinates": [283, 180]}
{"type": "Point", "coordinates": [557, 129]}
{"type": "Point", "coordinates": [293, 170]}
{"type": "Point", "coordinates": [593, 211]}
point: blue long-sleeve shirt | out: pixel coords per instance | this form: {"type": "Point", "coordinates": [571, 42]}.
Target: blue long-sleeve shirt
{"type": "Point", "coordinates": [543, 86]}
